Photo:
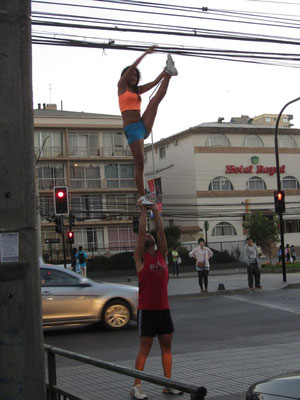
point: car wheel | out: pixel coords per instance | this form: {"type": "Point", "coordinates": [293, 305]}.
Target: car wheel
{"type": "Point", "coordinates": [116, 314]}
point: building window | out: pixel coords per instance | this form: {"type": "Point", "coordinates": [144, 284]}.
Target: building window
{"type": "Point", "coordinates": [218, 141]}
{"type": "Point", "coordinates": [291, 225]}
{"type": "Point", "coordinates": [268, 120]}
{"type": "Point", "coordinates": [86, 206]}
{"type": "Point", "coordinates": [115, 144]}
{"type": "Point", "coordinates": [91, 239]}
{"type": "Point", "coordinates": [83, 144]}
{"type": "Point", "coordinates": [50, 175]}
{"type": "Point", "coordinates": [48, 143]}
{"type": "Point", "coordinates": [145, 158]}
{"type": "Point", "coordinates": [224, 229]}
{"type": "Point", "coordinates": [119, 175]}
{"type": "Point", "coordinates": [46, 207]}
{"type": "Point", "coordinates": [220, 183]}
{"type": "Point", "coordinates": [253, 141]}
{"type": "Point", "coordinates": [256, 183]}
{"type": "Point", "coordinates": [85, 176]}
{"type": "Point", "coordinates": [120, 206]}
{"type": "Point", "coordinates": [289, 182]}
{"type": "Point", "coordinates": [121, 238]}
{"type": "Point", "coordinates": [286, 141]}
{"type": "Point", "coordinates": [162, 152]}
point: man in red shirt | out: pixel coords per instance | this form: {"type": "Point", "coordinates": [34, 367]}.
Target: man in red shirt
{"type": "Point", "coordinates": [154, 316]}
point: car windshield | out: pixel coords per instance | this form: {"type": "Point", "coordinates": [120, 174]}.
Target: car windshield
{"type": "Point", "coordinates": [52, 277]}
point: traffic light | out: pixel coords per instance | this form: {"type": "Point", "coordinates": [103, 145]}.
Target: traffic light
{"type": "Point", "coordinates": [279, 201]}
{"type": "Point", "coordinates": [71, 221]}
{"type": "Point", "coordinates": [61, 206]}
{"type": "Point", "coordinates": [58, 228]}
{"type": "Point", "coordinates": [135, 224]}
{"type": "Point", "coordinates": [70, 237]}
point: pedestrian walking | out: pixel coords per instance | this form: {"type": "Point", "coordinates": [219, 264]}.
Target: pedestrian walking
{"type": "Point", "coordinates": [280, 254]}
{"type": "Point", "coordinates": [202, 254]}
{"type": "Point", "coordinates": [154, 317]}
{"type": "Point", "coordinates": [288, 256]}
{"type": "Point", "coordinates": [252, 262]}
{"type": "Point", "coordinates": [175, 261]}
{"type": "Point", "coordinates": [82, 257]}
{"type": "Point", "coordinates": [138, 127]}
{"type": "Point", "coordinates": [293, 253]}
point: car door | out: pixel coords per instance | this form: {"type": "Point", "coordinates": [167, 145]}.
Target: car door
{"type": "Point", "coordinates": [64, 297]}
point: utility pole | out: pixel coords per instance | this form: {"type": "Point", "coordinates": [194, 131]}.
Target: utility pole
{"type": "Point", "coordinates": [21, 346]}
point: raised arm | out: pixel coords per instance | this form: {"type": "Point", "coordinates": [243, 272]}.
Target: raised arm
{"type": "Point", "coordinates": [122, 84]}
{"type": "Point", "coordinates": [140, 243]}
{"type": "Point", "coordinates": [160, 233]}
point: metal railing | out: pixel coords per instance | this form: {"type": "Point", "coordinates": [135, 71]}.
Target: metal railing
{"type": "Point", "coordinates": [55, 393]}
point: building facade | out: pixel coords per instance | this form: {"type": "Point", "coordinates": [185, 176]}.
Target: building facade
{"type": "Point", "coordinates": [89, 154]}
{"type": "Point", "coordinates": [214, 174]}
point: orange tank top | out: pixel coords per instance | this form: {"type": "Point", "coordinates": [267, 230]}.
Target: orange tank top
{"type": "Point", "coordinates": [129, 101]}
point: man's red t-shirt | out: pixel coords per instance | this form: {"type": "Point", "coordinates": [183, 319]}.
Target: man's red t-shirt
{"type": "Point", "coordinates": [153, 283]}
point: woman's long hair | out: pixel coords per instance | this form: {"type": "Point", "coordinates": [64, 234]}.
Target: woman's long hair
{"type": "Point", "coordinates": [135, 87]}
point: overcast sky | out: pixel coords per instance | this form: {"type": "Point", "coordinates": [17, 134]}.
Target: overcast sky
{"type": "Point", "coordinates": [205, 89]}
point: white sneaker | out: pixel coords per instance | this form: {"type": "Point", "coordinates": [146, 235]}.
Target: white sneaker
{"type": "Point", "coordinates": [145, 201]}
{"type": "Point", "coordinates": [170, 66]}
{"type": "Point", "coordinates": [167, 390]}
{"type": "Point", "coordinates": [137, 392]}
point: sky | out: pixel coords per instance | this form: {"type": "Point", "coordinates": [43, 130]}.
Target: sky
{"type": "Point", "coordinates": [205, 89]}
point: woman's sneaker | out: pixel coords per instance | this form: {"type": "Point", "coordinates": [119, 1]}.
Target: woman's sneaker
{"type": "Point", "coordinates": [167, 390]}
{"type": "Point", "coordinates": [145, 200]}
{"type": "Point", "coordinates": [170, 66]}
{"type": "Point", "coordinates": [137, 392]}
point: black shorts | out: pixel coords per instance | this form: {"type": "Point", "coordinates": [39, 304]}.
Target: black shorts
{"type": "Point", "coordinates": [152, 323]}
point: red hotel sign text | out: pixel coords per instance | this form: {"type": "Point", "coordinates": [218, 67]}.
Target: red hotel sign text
{"type": "Point", "coordinates": [260, 169]}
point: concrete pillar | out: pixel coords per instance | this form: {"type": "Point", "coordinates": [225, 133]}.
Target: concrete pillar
{"type": "Point", "coordinates": [21, 340]}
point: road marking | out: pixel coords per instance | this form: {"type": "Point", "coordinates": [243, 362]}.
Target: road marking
{"type": "Point", "coordinates": [277, 306]}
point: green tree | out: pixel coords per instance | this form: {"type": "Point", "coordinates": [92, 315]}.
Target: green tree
{"type": "Point", "coordinates": [172, 235]}
{"type": "Point", "coordinates": [263, 230]}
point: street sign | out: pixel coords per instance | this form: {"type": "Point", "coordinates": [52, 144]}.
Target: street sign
{"type": "Point", "coordinates": [47, 241]}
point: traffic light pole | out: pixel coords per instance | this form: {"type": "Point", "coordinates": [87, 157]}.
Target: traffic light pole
{"type": "Point", "coordinates": [279, 188]}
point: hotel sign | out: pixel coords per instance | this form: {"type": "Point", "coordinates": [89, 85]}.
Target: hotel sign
{"type": "Point", "coordinates": [253, 169]}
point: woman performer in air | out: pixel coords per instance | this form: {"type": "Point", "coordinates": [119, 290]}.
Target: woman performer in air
{"type": "Point", "coordinates": [136, 127]}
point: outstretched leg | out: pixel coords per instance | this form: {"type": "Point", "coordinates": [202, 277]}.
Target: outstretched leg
{"type": "Point", "coordinates": [150, 113]}
{"type": "Point", "coordinates": [137, 150]}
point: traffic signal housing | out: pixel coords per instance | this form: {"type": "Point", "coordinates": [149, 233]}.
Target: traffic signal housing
{"type": "Point", "coordinates": [70, 237]}
{"type": "Point", "coordinates": [279, 201]}
{"type": "Point", "coordinates": [58, 227]}
{"type": "Point", "coordinates": [61, 203]}
{"type": "Point", "coordinates": [135, 224]}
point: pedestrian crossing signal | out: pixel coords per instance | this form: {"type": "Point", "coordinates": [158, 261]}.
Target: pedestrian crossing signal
{"type": "Point", "coordinates": [279, 201]}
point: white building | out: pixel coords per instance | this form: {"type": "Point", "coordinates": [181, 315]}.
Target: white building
{"type": "Point", "coordinates": [218, 172]}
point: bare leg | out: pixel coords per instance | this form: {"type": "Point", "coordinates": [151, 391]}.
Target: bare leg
{"type": "Point", "coordinates": [137, 149]}
{"type": "Point", "coordinates": [145, 346]}
{"type": "Point", "coordinates": [151, 110]}
{"type": "Point", "coordinates": [165, 342]}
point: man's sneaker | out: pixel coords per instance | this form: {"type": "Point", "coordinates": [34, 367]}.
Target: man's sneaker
{"type": "Point", "coordinates": [145, 201]}
{"type": "Point", "coordinates": [167, 390]}
{"type": "Point", "coordinates": [170, 66]}
{"type": "Point", "coordinates": [137, 392]}
{"type": "Point", "coordinates": [258, 287]}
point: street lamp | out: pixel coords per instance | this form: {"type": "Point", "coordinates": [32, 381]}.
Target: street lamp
{"type": "Point", "coordinates": [279, 188]}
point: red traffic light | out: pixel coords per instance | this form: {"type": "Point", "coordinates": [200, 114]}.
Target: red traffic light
{"type": "Point", "coordinates": [279, 196]}
{"type": "Point", "coordinates": [60, 194]}
{"type": "Point", "coordinates": [279, 201]}
{"type": "Point", "coordinates": [70, 237]}
{"type": "Point", "coordinates": [61, 206]}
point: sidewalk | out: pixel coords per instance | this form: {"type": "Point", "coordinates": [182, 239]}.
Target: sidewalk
{"type": "Point", "coordinates": [233, 280]}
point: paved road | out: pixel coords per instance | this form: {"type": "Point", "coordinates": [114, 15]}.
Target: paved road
{"type": "Point", "coordinates": [225, 342]}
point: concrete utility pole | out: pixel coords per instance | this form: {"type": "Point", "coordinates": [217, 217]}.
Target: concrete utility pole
{"type": "Point", "coordinates": [21, 343]}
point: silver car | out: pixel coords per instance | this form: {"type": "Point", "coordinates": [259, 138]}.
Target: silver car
{"type": "Point", "coordinates": [69, 299]}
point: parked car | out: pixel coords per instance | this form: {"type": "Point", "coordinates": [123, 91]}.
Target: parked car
{"type": "Point", "coordinates": [70, 299]}
{"type": "Point", "coordinates": [284, 387]}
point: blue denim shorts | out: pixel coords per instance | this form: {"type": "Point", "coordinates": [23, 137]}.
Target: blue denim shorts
{"type": "Point", "coordinates": [135, 131]}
